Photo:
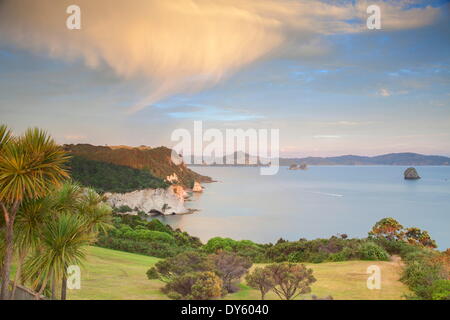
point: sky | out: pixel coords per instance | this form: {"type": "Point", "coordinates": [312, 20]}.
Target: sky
{"type": "Point", "coordinates": [136, 71]}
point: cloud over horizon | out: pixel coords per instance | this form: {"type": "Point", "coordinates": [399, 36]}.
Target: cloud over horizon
{"type": "Point", "coordinates": [183, 46]}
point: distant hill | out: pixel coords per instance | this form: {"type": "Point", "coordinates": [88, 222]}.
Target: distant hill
{"type": "Point", "coordinates": [108, 177]}
{"type": "Point", "coordinates": [400, 159]}
{"type": "Point", "coordinates": [156, 161]}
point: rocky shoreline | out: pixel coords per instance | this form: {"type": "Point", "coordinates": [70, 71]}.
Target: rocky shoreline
{"type": "Point", "coordinates": [170, 201]}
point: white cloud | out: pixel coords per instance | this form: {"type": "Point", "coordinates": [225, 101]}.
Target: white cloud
{"type": "Point", "coordinates": [186, 45]}
{"type": "Point", "coordinates": [384, 92]}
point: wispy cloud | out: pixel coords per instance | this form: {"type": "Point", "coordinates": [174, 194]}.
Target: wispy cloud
{"type": "Point", "coordinates": [187, 45]}
{"type": "Point", "coordinates": [210, 113]}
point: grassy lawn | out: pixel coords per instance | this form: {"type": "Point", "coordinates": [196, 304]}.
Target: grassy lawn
{"type": "Point", "coordinates": [344, 281]}
{"type": "Point", "coordinates": [110, 274]}
{"type": "Point", "coordinates": [116, 275]}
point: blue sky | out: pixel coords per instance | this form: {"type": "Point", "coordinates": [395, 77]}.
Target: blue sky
{"type": "Point", "coordinates": [329, 93]}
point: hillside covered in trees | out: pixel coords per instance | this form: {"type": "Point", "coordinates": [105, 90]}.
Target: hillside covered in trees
{"type": "Point", "coordinates": [108, 177]}
{"type": "Point", "coordinates": [155, 161]}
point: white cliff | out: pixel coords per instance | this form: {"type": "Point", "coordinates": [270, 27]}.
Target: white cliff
{"type": "Point", "coordinates": [152, 201]}
{"type": "Point", "coordinates": [197, 187]}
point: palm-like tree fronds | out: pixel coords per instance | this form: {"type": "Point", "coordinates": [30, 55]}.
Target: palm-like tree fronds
{"type": "Point", "coordinates": [5, 136]}
{"type": "Point", "coordinates": [64, 241]}
{"type": "Point", "coordinates": [66, 197]}
{"type": "Point", "coordinates": [97, 213]}
{"type": "Point", "coordinates": [30, 166]}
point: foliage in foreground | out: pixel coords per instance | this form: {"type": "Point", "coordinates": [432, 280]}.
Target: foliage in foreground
{"type": "Point", "coordinates": [391, 229]}
{"type": "Point", "coordinates": [426, 271]}
{"type": "Point", "coordinates": [286, 280]}
{"type": "Point", "coordinates": [134, 234]}
{"type": "Point", "coordinates": [196, 275]}
{"type": "Point", "coordinates": [333, 249]}
{"type": "Point", "coordinates": [30, 165]}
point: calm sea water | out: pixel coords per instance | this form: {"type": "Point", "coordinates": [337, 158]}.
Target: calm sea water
{"type": "Point", "coordinates": [319, 202]}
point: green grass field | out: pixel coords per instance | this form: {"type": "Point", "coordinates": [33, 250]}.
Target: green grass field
{"type": "Point", "coordinates": [110, 274]}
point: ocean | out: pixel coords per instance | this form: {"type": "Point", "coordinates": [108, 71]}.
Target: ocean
{"type": "Point", "coordinates": [317, 203]}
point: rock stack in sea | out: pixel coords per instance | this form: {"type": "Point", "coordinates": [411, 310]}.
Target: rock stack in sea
{"type": "Point", "coordinates": [411, 174]}
{"type": "Point", "coordinates": [197, 187]}
{"type": "Point", "coordinates": [302, 166]}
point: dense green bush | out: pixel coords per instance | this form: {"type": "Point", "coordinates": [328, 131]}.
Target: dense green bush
{"type": "Point", "coordinates": [372, 251]}
{"type": "Point", "coordinates": [315, 251]}
{"type": "Point", "coordinates": [133, 234]}
{"type": "Point", "coordinates": [394, 246]}
{"type": "Point", "coordinates": [245, 248]}
{"type": "Point", "coordinates": [440, 290]}
{"type": "Point", "coordinates": [154, 249]}
{"type": "Point", "coordinates": [343, 255]}
{"type": "Point", "coordinates": [422, 271]}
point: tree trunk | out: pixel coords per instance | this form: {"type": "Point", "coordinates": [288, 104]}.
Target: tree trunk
{"type": "Point", "coordinates": [17, 280]}
{"type": "Point", "coordinates": [64, 287]}
{"type": "Point", "coordinates": [41, 291]}
{"type": "Point", "coordinates": [53, 286]}
{"type": "Point", "coordinates": [4, 295]}
{"type": "Point", "coordinates": [9, 248]}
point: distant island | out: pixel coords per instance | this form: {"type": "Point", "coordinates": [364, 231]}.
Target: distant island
{"type": "Point", "coordinates": [391, 159]}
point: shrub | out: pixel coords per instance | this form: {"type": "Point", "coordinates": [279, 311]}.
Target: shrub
{"type": "Point", "coordinates": [420, 275]}
{"type": "Point", "coordinates": [260, 279]}
{"type": "Point", "coordinates": [290, 280]}
{"type": "Point", "coordinates": [372, 251]}
{"type": "Point", "coordinates": [440, 290]}
{"type": "Point", "coordinates": [185, 262]}
{"type": "Point", "coordinates": [133, 234]}
{"type": "Point", "coordinates": [245, 248]}
{"type": "Point", "coordinates": [319, 257]}
{"type": "Point", "coordinates": [343, 255]}
{"type": "Point", "coordinates": [157, 225]}
{"type": "Point", "coordinates": [207, 286]}
{"type": "Point", "coordinates": [142, 234]}
{"type": "Point", "coordinates": [387, 228]}
{"type": "Point", "coordinates": [230, 267]}
{"type": "Point", "coordinates": [195, 286]}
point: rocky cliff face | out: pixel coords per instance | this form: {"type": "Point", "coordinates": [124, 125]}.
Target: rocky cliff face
{"type": "Point", "coordinates": [152, 201]}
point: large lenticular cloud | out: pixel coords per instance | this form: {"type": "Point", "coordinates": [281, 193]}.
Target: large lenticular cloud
{"type": "Point", "coordinates": [183, 45]}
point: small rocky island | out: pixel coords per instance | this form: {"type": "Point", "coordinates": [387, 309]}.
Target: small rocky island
{"type": "Point", "coordinates": [302, 166]}
{"type": "Point", "coordinates": [411, 174]}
